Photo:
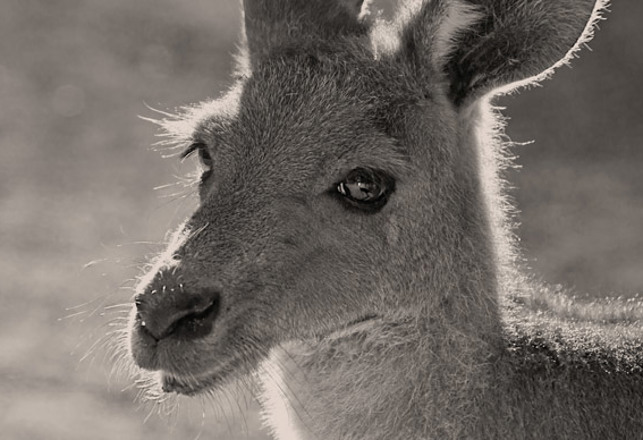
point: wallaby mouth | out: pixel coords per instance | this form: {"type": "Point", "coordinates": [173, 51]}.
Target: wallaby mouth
{"type": "Point", "coordinates": [227, 371]}
{"type": "Point", "coordinates": [191, 385]}
{"type": "Point", "coordinates": [188, 386]}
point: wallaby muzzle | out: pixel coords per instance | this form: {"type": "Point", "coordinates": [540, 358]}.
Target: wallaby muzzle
{"type": "Point", "coordinates": [171, 308]}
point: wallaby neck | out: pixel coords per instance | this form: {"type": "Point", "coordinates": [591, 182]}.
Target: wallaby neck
{"type": "Point", "coordinates": [383, 379]}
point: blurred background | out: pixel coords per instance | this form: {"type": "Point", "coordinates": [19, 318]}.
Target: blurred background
{"type": "Point", "coordinates": [79, 214]}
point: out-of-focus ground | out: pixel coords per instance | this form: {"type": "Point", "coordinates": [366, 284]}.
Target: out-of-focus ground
{"type": "Point", "coordinates": [77, 179]}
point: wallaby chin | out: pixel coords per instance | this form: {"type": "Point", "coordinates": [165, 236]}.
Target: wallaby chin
{"type": "Point", "coordinates": [353, 246]}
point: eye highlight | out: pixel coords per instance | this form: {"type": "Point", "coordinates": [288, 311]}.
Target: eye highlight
{"type": "Point", "coordinates": [366, 189]}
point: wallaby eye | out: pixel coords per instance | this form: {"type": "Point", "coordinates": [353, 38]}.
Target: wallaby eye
{"type": "Point", "coordinates": [204, 157]}
{"type": "Point", "coordinates": [366, 188]}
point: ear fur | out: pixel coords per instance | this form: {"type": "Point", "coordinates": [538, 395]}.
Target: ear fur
{"type": "Point", "coordinates": [430, 30]}
{"type": "Point", "coordinates": [495, 45]}
{"type": "Point", "coordinates": [273, 24]}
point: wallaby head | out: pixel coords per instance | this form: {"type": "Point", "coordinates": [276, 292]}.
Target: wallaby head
{"type": "Point", "coordinates": [342, 181]}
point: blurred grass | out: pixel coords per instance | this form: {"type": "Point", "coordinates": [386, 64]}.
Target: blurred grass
{"type": "Point", "coordinates": [77, 179]}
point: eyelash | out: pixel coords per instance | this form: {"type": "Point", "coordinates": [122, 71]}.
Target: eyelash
{"type": "Point", "coordinates": [204, 157]}
{"type": "Point", "coordinates": [200, 147]}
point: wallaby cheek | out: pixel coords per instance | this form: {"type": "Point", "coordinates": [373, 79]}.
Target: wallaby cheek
{"type": "Point", "coordinates": [332, 280]}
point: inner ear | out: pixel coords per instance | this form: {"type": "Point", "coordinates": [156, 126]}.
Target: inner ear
{"type": "Point", "coordinates": [274, 24]}
{"type": "Point", "coordinates": [486, 45]}
{"type": "Point", "coordinates": [518, 43]}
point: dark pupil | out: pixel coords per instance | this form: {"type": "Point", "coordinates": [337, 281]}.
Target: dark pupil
{"type": "Point", "coordinates": [362, 185]}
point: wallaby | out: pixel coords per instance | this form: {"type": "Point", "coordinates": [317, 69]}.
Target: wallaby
{"type": "Point", "coordinates": [353, 248]}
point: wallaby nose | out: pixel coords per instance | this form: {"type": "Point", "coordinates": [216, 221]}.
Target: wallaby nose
{"type": "Point", "coordinates": [165, 310]}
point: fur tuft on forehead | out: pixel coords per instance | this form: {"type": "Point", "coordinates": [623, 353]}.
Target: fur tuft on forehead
{"type": "Point", "coordinates": [192, 123]}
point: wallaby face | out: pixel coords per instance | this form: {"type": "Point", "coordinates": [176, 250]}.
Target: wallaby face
{"type": "Point", "coordinates": [341, 183]}
{"type": "Point", "coordinates": [308, 217]}
{"type": "Point", "coordinates": [312, 203]}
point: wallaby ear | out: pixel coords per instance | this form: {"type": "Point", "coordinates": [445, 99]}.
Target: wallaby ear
{"type": "Point", "coordinates": [271, 24]}
{"type": "Point", "coordinates": [486, 45]}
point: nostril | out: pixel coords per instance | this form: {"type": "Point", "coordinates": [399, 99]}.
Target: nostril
{"type": "Point", "coordinates": [183, 316]}
{"type": "Point", "coordinates": [197, 323]}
